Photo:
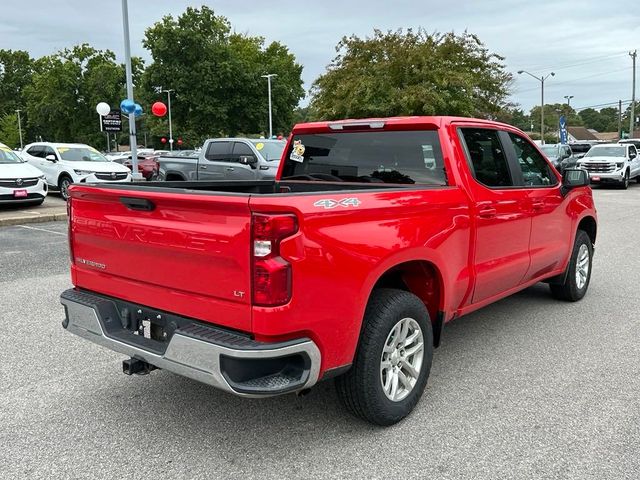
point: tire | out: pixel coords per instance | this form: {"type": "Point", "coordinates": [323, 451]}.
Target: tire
{"type": "Point", "coordinates": [572, 289]}
{"type": "Point", "coordinates": [361, 389]}
{"type": "Point", "coordinates": [63, 185]}
{"type": "Point", "coordinates": [625, 183]}
{"type": "Point", "coordinates": [638, 178]}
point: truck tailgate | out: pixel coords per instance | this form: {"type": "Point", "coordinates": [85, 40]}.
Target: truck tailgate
{"type": "Point", "coordinates": [183, 253]}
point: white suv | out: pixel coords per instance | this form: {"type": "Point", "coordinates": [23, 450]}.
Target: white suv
{"type": "Point", "coordinates": [67, 163]}
{"type": "Point", "coordinates": [19, 182]}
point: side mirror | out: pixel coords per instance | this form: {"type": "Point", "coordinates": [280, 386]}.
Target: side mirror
{"type": "Point", "coordinates": [248, 160]}
{"type": "Point", "coordinates": [574, 178]}
{"type": "Point", "coordinates": [51, 158]}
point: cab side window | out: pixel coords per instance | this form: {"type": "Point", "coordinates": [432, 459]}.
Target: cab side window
{"type": "Point", "coordinates": [486, 157]}
{"type": "Point", "coordinates": [241, 149]}
{"type": "Point", "coordinates": [535, 169]}
{"type": "Point", "coordinates": [632, 152]}
{"type": "Point", "coordinates": [49, 151]}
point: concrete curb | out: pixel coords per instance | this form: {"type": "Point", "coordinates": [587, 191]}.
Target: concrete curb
{"type": "Point", "coordinates": [21, 218]}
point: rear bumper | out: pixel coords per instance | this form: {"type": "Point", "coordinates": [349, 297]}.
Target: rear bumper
{"type": "Point", "coordinates": [224, 359]}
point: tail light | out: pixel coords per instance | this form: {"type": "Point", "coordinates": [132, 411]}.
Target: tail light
{"type": "Point", "coordinates": [271, 272]}
{"type": "Point", "coordinates": [70, 230]}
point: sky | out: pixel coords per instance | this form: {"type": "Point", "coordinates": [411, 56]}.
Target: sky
{"type": "Point", "coordinates": [585, 43]}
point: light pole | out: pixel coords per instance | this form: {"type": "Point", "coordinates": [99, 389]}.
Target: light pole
{"type": "Point", "coordinates": [541, 79]}
{"type": "Point", "coordinates": [168, 92]}
{"type": "Point", "coordinates": [19, 127]}
{"type": "Point", "coordinates": [568, 97]}
{"type": "Point", "coordinates": [132, 116]}
{"type": "Point", "coordinates": [268, 77]}
{"type": "Point", "coordinates": [632, 119]}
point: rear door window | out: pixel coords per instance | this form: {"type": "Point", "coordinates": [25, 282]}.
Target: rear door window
{"type": "Point", "coordinates": [487, 157]}
{"type": "Point", "coordinates": [36, 151]}
{"type": "Point", "coordinates": [402, 157]}
{"type": "Point", "coordinates": [219, 152]}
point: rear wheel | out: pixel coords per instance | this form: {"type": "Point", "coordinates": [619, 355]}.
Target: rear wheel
{"type": "Point", "coordinates": [578, 276]}
{"type": "Point", "coordinates": [63, 185]}
{"type": "Point", "coordinates": [393, 360]}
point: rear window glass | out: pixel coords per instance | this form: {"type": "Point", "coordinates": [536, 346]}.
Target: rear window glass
{"type": "Point", "coordinates": [404, 157]}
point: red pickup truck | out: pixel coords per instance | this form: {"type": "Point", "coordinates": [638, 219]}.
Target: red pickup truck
{"type": "Point", "coordinates": [374, 234]}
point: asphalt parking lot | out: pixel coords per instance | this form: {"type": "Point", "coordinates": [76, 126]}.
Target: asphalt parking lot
{"type": "Point", "coordinates": [526, 388]}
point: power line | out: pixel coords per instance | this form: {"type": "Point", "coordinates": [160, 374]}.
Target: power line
{"type": "Point", "coordinates": [602, 105]}
{"type": "Point", "coordinates": [564, 82]}
{"type": "Point", "coordinates": [580, 62]}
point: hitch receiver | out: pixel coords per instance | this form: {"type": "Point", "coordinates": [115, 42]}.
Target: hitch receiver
{"type": "Point", "coordinates": [135, 366]}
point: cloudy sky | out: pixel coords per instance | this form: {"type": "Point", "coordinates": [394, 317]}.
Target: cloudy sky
{"type": "Point", "coordinates": [585, 42]}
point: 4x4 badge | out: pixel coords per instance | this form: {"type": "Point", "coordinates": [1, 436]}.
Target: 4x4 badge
{"type": "Point", "coordinates": [328, 203]}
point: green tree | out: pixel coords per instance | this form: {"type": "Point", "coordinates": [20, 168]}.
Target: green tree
{"type": "Point", "coordinates": [66, 88]}
{"type": "Point", "coordinates": [16, 69]}
{"type": "Point", "coordinates": [9, 132]}
{"type": "Point", "coordinates": [411, 73]}
{"type": "Point", "coordinates": [514, 116]}
{"type": "Point", "coordinates": [217, 79]}
{"type": "Point", "coordinates": [552, 113]}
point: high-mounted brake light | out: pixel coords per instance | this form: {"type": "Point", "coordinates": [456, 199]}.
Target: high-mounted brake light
{"type": "Point", "coordinates": [351, 125]}
{"type": "Point", "coordinates": [271, 272]}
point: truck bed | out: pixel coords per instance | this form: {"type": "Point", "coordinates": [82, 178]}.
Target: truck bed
{"type": "Point", "coordinates": [260, 187]}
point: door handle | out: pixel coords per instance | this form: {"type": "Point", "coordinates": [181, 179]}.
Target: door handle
{"type": "Point", "coordinates": [537, 206]}
{"type": "Point", "coordinates": [487, 212]}
{"type": "Point", "coordinates": [137, 203]}
{"type": "Point", "coordinates": [229, 169]}
{"type": "Point", "coordinates": [203, 167]}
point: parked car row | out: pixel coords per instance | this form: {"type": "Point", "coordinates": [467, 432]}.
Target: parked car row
{"type": "Point", "coordinates": [606, 163]}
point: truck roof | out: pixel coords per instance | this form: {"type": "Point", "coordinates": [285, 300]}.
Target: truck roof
{"type": "Point", "coordinates": [388, 122]}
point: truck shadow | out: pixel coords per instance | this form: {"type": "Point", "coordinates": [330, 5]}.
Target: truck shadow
{"type": "Point", "coordinates": [206, 418]}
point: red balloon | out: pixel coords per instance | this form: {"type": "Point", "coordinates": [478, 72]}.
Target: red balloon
{"type": "Point", "coordinates": [159, 109]}
{"type": "Point", "coordinates": [179, 141]}
{"type": "Point", "coordinates": [163, 140]}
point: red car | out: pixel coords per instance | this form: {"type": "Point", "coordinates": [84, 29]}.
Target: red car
{"type": "Point", "coordinates": [373, 236]}
{"type": "Point", "coordinates": [148, 165]}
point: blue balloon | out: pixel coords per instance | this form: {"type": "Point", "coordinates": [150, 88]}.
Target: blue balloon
{"type": "Point", "coordinates": [127, 106]}
{"type": "Point", "coordinates": [137, 110]}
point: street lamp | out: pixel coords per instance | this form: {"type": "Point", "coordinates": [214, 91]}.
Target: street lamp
{"type": "Point", "coordinates": [168, 92]}
{"type": "Point", "coordinates": [19, 127]}
{"type": "Point", "coordinates": [568, 97]}
{"type": "Point", "coordinates": [541, 79]}
{"type": "Point", "coordinates": [268, 77]}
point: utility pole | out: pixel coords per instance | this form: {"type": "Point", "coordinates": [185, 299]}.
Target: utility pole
{"type": "Point", "coordinates": [619, 119]}
{"type": "Point", "coordinates": [132, 116]}
{"type": "Point", "coordinates": [268, 77]}
{"type": "Point", "coordinates": [19, 127]}
{"type": "Point", "coordinates": [568, 97]}
{"type": "Point", "coordinates": [541, 79]}
{"type": "Point", "coordinates": [168, 92]}
{"type": "Point", "coordinates": [632, 118]}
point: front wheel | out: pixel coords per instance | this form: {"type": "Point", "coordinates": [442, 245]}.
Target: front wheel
{"type": "Point", "coordinates": [625, 181]}
{"type": "Point", "coordinates": [63, 185]}
{"type": "Point", "coordinates": [393, 359]}
{"type": "Point", "coordinates": [578, 273]}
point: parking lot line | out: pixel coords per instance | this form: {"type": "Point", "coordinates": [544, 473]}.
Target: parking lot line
{"type": "Point", "coordinates": [42, 230]}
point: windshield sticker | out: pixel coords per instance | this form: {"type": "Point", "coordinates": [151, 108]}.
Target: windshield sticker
{"type": "Point", "coordinates": [62, 149]}
{"type": "Point", "coordinates": [329, 203]}
{"type": "Point", "coordinates": [6, 149]}
{"type": "Point", "coordinates": [297, 155]}
{"type": "Point", "coordinates": [259, 146]}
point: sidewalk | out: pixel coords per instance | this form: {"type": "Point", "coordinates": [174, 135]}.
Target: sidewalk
{"type": "Point", "coordinates": [53, 208]}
